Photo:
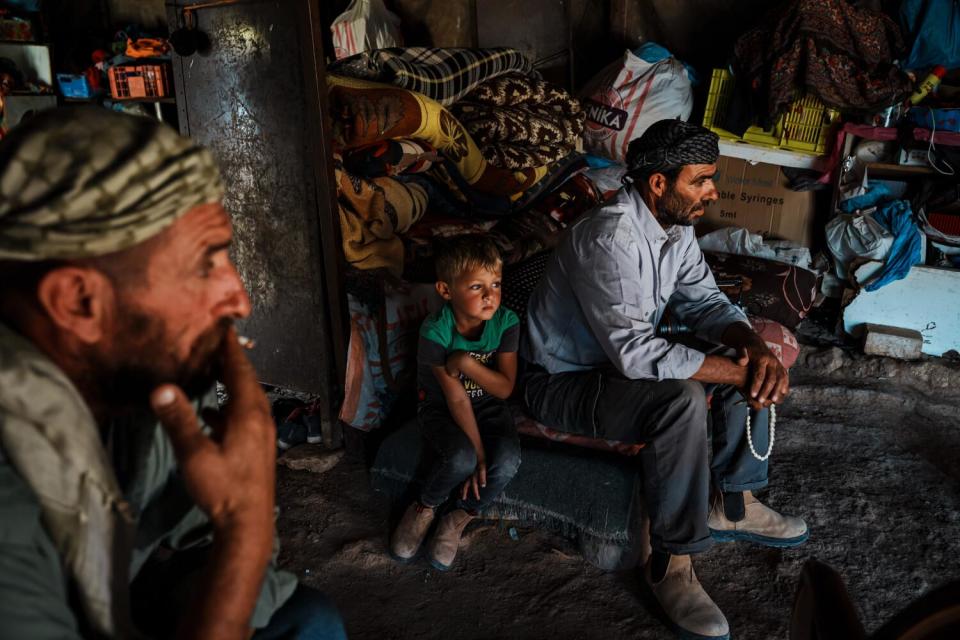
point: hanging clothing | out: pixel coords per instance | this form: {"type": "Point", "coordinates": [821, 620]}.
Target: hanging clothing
{"type": "Point", "coordinates": [840, 53]}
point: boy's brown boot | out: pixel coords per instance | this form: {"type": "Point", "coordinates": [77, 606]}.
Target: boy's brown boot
{"type": "Point", "coordinates": [443, 548]}
{"type": "Point", "coordinates": [411, 531]}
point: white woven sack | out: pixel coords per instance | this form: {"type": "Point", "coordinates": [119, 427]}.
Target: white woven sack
{"type": "Point", "coordinates": [630, 95]}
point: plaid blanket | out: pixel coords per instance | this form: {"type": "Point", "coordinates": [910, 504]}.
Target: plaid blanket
{"type": "Point", "coordinates": [446, 75]}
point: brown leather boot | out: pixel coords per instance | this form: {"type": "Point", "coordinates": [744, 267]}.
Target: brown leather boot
{"type": "Point", "coordinates": [411, 531]}
{"type": "Point", "coordinates": [760, 524]}
{"type": "Point", "coordinates": [691, 612]}
{"type": "Point", "coordinates": [443, 548]}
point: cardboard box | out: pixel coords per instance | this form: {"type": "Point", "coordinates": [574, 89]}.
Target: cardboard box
{"type": "Point", "coordinates": [756, 197]}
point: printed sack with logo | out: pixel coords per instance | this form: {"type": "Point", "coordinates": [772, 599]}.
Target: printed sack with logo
{"type": "Point", "coordinates": [630, 95]}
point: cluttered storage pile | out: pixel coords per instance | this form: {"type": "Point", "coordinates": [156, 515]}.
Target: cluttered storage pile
{"type": "Point", "coordinates": [437, 142]}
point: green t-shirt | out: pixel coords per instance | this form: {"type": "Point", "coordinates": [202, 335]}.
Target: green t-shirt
{"type": "Point", "coordinates": [439, 338]}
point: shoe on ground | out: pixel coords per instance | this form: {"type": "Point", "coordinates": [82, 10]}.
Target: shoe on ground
{"type": "Point", "coordinates": [314, 429]}
{"type": "Point", "coordinates": [290, 434]}
{"type": "Point", "coordinates": [446, 541]}
{"type": "Point", "coordinates": [692, 614]}
{"type": "Point", "coordinates": [409, 534]}
{"type": "Point", "coordinates": [760, 524]}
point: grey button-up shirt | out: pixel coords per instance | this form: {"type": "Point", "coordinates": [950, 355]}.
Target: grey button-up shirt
{"type": "Point", "coordinates": [605, 290]}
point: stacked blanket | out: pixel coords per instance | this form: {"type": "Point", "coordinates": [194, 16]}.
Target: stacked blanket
{"type": "Point", "coordinates": [444, 75]}
{"type": "Point", "coordinates": [429, 143]}
{"type": "Point", "coordinates": [365, 113]}
{"type": "Point", "coordinates": [404, 152]}
{"type": "Point", "coordinates": [372, 212]}
{"type": "Point", "coordinates": [521, 122]}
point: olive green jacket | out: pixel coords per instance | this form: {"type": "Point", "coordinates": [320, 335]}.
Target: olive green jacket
{"type": "Point", "coordinates": [77, 523]}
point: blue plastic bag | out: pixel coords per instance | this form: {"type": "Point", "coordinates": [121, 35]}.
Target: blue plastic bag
{"type": "Point", "coordinates": [32, 6]}
{"type": "Point", "coordinates": [652, 52]}
{"type": "Point", "coordinates": [932, 29]}
{"type": "Point", "coordinates": [874, 195]}
{"type": "Point", "coordinates": [897, 218]}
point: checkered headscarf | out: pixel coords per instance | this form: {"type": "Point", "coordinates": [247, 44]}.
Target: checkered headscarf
{"type": "Point", "coordinates": [668, 144]}
{"type": "Point", "coordinates": [84, 182]}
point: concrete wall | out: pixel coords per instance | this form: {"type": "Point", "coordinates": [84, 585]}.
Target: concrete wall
{"type": "Point", "coordinates": [148, 13]}
{"type": "Point", "coordinates": [700, 31]}
{"type": "Point", "coordinates": [448, 23]}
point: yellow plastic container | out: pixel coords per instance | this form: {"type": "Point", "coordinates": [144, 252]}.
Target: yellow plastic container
{"type": "Point", "coordinates": [804, 128]}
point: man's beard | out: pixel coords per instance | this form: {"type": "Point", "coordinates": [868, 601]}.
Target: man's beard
{"type": "Point", "coordinates": [144, 358]}
{"type": "Point", "coordinates": [674, 209]}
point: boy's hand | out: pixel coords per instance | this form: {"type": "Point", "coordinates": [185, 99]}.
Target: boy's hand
{"type": "Point", "coordinates": [454, 364]}
{"type": "Point", "coordinates": [478, 479]}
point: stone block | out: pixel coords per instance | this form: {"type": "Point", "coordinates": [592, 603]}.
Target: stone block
{"type": "Point", "coordinates": [893, 342]}
{"type": "Point", "coordinates": [312, 458]}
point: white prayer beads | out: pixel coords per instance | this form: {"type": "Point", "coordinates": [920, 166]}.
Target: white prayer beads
{"type": "Point", "coordinates": [773, 431]}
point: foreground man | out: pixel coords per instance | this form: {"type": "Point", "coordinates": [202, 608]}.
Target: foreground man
{"type": "Point", "coordinates": [117, 299]}
{"type": "Point", "coordinates": [597, 367]}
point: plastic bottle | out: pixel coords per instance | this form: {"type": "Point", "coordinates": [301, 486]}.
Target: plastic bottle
{"type": "Point", "coordinates": [929, 84]}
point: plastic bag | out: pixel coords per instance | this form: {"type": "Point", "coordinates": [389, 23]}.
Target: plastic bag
{"type": "Point", "coordinates": [653, 52]}
{"type": "Point", "coordinates": [608, 180]}
{"type": "Point", "coordinates": [934, 28]}
{"type": "Point", "coordinates": [853, 239]}
{"type": "Point", "coordinates": [147, 48]}
{"type": "Point", "coordinates": [906, 248]}
{"type": "Point", "coordinates": [365, 25]}
{"type": "Point", "coordinates": [630, 95]}
{"type": "Point", "coordinates": [739, 241]}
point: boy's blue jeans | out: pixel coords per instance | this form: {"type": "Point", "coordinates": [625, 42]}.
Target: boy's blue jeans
{"type": "Point", "coordinates": [453, 460]}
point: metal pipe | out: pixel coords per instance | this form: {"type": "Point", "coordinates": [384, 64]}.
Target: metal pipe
{"type": "Point", "coordinates": [208, 5]}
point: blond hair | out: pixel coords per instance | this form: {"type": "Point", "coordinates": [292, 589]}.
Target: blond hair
{"type": "Point", "coordinates": [465, 253]}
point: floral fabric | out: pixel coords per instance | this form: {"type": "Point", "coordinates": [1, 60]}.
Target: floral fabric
{"type": "Point", "coordinates": [838, 52]}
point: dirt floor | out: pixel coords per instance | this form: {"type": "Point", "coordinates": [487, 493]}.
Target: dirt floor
{"type": "Point", "coordinates": [867, 452]}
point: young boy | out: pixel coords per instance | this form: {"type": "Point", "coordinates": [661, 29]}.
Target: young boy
{"type": "Point", "coordinates": [466, 368]}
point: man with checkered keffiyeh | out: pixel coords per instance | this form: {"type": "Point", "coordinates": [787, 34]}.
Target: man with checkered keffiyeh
{"type": "Point", "coordinates": [117, 299]}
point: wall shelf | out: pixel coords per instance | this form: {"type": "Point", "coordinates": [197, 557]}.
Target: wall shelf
{"type": "Point", "coordinates": [166, 100]}
{"type": "Point", "coordinates": [886, 169]}
{"type": "Point", "coordinates": [754, 153]}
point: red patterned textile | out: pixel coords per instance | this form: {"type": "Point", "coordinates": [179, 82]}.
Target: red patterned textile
{"type": "Point", "coordinates": [769, 289]}
{"type": "Point", "coordinates": [529, 427]}
{"type": "Point", "coordinates": [779, 339]}
{"type": "Point", "coordinates": [841, 53]}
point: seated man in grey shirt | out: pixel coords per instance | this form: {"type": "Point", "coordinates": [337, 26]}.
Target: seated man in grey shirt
{"type": "Point", "coordinates": [598, 368]}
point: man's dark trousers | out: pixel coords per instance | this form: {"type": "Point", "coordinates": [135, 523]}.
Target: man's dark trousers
{"type": "Point", "coordinates": [670, 417]}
